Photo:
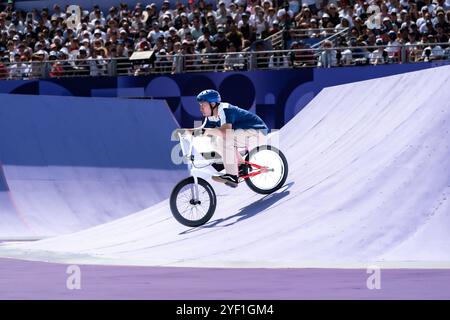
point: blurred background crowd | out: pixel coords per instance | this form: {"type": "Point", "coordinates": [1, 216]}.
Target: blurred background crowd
{"type": "Point", "coordinates": [197, 34]}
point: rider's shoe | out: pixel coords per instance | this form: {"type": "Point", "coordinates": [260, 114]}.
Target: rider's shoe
{"type": "Point", "coordinates": [229, 179]}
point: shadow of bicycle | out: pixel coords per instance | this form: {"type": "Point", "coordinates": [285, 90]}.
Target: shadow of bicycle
{"type": "Point", "coordinates": [246, 212]}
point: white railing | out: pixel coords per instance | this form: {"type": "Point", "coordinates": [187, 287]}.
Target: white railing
{"type": "Point", "coordinates": [222, 62]}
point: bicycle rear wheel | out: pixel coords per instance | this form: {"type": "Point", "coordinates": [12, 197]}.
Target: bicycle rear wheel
{"type": "Point", "coordinates": [277, 165]}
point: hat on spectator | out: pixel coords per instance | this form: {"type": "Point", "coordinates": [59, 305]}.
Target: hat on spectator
{"type": "Point", "coordinates": [386, 19]}
{"type": "Point", "coordinates": [379, 41]}
{"type": "Point", "coordinates": [122, 30]}
{"type": "Point", "coordinates": [404, 11]}
{"type": "Point", "coordinates": [281, 13]}
{"type": "Point", "coordinates": [424, 8]}
{"type": "Point", "coordinates": [221, 2]}
{"type": "Point", "coordinates": [85, 40]}
{"type": "Point", "coordinates": [440, 12]}
{"type": "Point", "coordinates": [172, 29]}
{"type": "Point", "coordinates": [64, 50]}
{"type": "Point", "coordinates": [97, 31]}
{"type": "Point", "coordinates": [162, 50]}
{"type": "Point", "coordinates": [82, 48]}
{"type": "Point", "coordinates": [325, 15]}
{"type": "Point", "coordinates": [392, 34]}
{"type": "Point", "coordinates": [16, 38]}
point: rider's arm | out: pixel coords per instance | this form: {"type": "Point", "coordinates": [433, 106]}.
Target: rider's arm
{"type": "Point", "coordinates": [220, 132]}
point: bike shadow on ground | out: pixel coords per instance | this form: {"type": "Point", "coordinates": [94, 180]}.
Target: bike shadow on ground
{"type": "Point", "coordinates": [246, 212]}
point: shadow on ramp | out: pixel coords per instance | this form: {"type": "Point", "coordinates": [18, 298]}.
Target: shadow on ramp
{"type": "Point", "coordinates": [248, 211]}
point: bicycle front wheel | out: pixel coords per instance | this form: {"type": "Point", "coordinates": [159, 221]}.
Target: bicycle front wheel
{"type": "Point", "coordinates": [188, 209]}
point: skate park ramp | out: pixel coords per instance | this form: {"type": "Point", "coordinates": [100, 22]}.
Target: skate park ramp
{"type": "Point", "coordinates": [368, 183]}
{"type": "Point", "coordinates": [69, 163]}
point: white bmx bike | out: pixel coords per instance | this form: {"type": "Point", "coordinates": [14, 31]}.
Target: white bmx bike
{"type": "Point", "coordinates": [193, 200]}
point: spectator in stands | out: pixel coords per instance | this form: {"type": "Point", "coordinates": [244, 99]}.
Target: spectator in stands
{"type": "Point", "coordinates": [235, 36]}
{"type": "Point", "coordinates": [155, 33]}
{"type": "Point", "coordinates": [211, 23]}
{"type": "Point", "coordinates": [220, 41]}
{"type": "Point", "coordinates": [393, 47]}
{"type": "Point", "coordinates": [247, 30]}
{"type": "Point", "coordinates": [379, 55]}
{"type": "Point", "coordinates": [301, 56]}
{"type": "Point", "coordinates": [233, 59]}
{"type": "Point", "coordinates": [37, 66]}
{"type": "Point", "coordinates": [260, 56]}
{"type": "Point", "coordinates": [412, 47]}
{"type": "Point", "coordinates": [278, 59]}
{"type": "Point", "coordinates": [178, 58]}
{"type": "Point", "coordinates": [333, 14]}
{"type": "Point", "coordinates": [344, 56]}
{"type": "Point", "coordinates": [441, 21]}
{"type": "Point", "coordinates": [98, 64]}
{"type": "Point", "coordinates": [327, 57]}
{"type": "Point", "coordinates": [271, 17]}
{"type": "Point", "coordinates": [432, 52]}
{"type": "Point", "coordinates": [3, 69]}
{"type": "Point", "coordinates": [441, 37]}
{"type": "Point", "coordinates": [196, 29]}
{"type": "Point", "coordinates": [19, 69]}
{"type": "Point", "coordinates": [81, 64]}
{"type": "Point", "coordinates": [261, 26]}
{"type": "Point", "coordinates": [209, 55]}
{"type": "Point", "coordinates": [163, 62]}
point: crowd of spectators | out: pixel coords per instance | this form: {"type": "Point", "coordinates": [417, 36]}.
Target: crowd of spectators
{"type": "Point", "coordinates": [178, 32]}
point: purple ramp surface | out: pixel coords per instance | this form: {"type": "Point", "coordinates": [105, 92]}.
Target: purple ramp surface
{"type": "Point", "coordinates": [70, 163]}
{"type": "Point", "coordinates": [38, 280]}
{"type": "Point", "coordinates": [368, 185]}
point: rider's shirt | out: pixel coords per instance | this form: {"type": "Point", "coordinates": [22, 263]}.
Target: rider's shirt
{"type": "Point", "coordinates": [237, 117]}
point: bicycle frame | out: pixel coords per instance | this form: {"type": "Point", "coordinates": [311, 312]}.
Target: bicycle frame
{"type": "Point", "coordinates": [205, 170]}
{"type": "Point", "coordinates": [200, 167]}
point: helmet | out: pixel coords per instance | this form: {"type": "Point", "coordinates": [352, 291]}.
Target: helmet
{"type": "Point", "coordinates": [208, 96]}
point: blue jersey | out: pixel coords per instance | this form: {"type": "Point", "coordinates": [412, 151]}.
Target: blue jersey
{"type": "Point", "coordinates": [237, 117]}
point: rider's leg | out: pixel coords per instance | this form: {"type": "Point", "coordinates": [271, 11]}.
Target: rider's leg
{"type": "Point", "coordinates": [234, 139]}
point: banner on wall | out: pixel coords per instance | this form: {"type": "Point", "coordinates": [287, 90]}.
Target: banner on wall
{"type": "Point", "coordinates": [276, 95]}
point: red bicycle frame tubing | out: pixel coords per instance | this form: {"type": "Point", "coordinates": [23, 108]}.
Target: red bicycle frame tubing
{"type": "Point", "coordinates": [252, 174]}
